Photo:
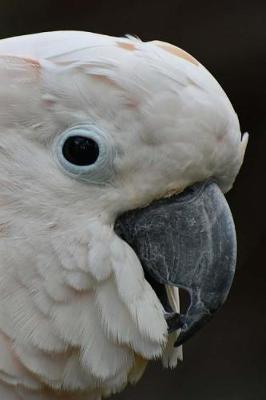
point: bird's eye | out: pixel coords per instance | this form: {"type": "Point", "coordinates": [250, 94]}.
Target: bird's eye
{"type": "Point", "coordinates": [80, 150]}
{"type": "Point", "coordinates": [85, 152]}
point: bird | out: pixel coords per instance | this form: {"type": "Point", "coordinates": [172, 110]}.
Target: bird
{"type": "Point", "coordinates": [115, 156]}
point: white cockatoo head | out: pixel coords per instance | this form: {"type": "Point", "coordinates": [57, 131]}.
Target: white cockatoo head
{"type": "Point", "coordinates": [92, 127]}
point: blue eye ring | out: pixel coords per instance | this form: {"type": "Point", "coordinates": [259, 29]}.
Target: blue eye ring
{"type": "Point", "coordinates": [101, 170]}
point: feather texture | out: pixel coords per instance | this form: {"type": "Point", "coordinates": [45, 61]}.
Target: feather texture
{"type": "Point", "coordinates": [77, 317]}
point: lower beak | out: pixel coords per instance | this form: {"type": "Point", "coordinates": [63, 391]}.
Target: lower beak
{"type": "Point", "coordinates": [188, 241]}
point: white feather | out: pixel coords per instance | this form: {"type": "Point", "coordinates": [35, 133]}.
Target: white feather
{"type": "Point", "coordinates": [77, 318]}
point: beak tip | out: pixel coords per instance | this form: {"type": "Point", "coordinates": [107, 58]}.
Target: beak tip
{"type": "Point", "coordinates": [181, 339]}
{"type": "Point", "coordinates": [191, 322]}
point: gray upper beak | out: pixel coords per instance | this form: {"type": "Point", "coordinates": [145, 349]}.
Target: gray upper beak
{"type": "Point", "coordinates": [188, 241]}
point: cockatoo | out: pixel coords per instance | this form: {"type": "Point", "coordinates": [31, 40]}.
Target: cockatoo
{"type": "Point", "coordinates": [114, 154]}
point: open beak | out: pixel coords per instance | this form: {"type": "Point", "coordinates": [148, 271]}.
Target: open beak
{"type": "Point", "coordinates": [187, 240]}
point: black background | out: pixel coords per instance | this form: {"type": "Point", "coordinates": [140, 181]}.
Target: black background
{"type": "Point", "coordinates": [226, 360]}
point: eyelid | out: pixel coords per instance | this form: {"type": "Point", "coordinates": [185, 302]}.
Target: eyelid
{"type": "Point", "coordinates": [102, 170]}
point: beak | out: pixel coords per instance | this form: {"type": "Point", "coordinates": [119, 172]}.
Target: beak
{"type": "Point", "coordinates": [188, 241]}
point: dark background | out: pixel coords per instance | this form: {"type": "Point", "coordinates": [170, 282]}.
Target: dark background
{"type": "Point", "coordinates": [226, 360]}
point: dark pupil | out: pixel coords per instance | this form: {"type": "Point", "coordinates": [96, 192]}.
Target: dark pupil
{"type": "Point", "coordinates": [80, 150]}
